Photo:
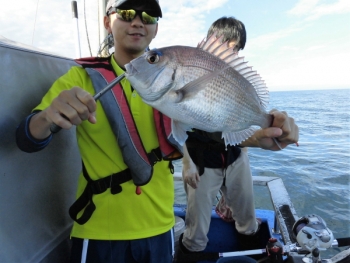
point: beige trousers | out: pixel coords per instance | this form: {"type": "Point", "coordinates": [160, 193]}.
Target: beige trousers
{"type": "Point", "coordinates": [239, 197]}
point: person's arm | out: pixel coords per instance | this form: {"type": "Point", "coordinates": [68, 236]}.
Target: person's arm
{"type": "Point", "coordinates": [33, 134]}
{"type": "Point", "coordinates": [25, 140]}
{"type": "Point", "coordinates": [283, 129]}
{"type": "Point", "coordinates": [190, 173]}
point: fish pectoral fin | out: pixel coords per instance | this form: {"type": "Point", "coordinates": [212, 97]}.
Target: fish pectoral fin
{"type": "Point", "coordinates": [157, 95]}
{"type": "Point", "coordinates": [178, 130]}
{"type": "Point", "coordinates": [234, 138]}
{"type": "Point", "coordinates": [193, 87]}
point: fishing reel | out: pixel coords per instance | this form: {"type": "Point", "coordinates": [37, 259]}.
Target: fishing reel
{"type": "Point", "coordinates": [312, 232]}
{"type": "Point", "coordinates": [312, 235]}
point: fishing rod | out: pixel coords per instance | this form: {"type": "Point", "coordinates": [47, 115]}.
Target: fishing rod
{"type": "Point", "coordinates": [275, 252]}
{"type": "Point", "coordinates": [285, 249]}
{"type": "Point", "coordinates": [54, 128]}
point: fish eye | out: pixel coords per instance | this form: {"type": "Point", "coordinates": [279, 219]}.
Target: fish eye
{"type": "Point", "coordinates": [153, 58]}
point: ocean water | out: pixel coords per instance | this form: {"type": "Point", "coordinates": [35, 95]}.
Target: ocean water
{"type": "Point", "coordinates": [317, 173]}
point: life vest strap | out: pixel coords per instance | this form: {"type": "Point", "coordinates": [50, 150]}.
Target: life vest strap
{"type": "Point", "coordinates": [99, 186]}
{"type": "Point", "coordinates": [95, 187]}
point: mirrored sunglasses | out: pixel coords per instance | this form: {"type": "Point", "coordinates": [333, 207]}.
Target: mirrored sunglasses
{"type": "Point", "coordinates": [130, 14]}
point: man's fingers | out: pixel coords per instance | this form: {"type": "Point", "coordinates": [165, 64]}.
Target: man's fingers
{"type": "Point", "coordinates": [193, 183]}
{"type": "Point", "coordinates": [56, 114]}
{"type": "Point", "coordinates": [72, 107]}
{"type": "Point", "coordinates": [267, 133]}
{"type": "Point", "coordinates": [92, 117]}
{"type": "Point", "coordinates": [86, 99]}
{"type": "Point", "coordinates": [191, 180]}
{"type": "Point", "coordinates": [279, 118]}
{"type": "Point", "coordinates": [83, 104]}
{"type": "Point", "coordinates": [290, 131]}
{"type": "Point", "coordinates": [197, 177]}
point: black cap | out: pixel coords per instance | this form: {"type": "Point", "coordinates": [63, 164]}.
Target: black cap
{"type": "Point", "coordinates": [152, 6]}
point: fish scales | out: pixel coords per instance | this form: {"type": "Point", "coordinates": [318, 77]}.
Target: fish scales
{"type": "Point", "coordinates": [218, 97]}
{"type": "Point", "coordinates": [228, 103]}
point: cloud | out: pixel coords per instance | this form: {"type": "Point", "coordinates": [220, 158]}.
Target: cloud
{"type": "Point", "coordinates": [11, 16]}
{"type": "Point", "coordinates": [313, 10]}
{"type": "Point", "coordinates": [265, 41]}
{"type": "Point", "coordinates": [317, 66]}
{"type": "Point", "coordinates": [299, 54]}
{"type": "Point", "coordinates": [341, 7]}
{"type": "Point", "coordinates": [303, 7]}
{"type": "Point", "coordinates": [183, 22]}
{"type": "Point", "coordinates": [316, 47]}
{"type": "Point", "coordinates": [42, 24]}
{"type": "Point", "coordinates": [197, 6]}
{"type": "Point", "coordinates": [53, 24]}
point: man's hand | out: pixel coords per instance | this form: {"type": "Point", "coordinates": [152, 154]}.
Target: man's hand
{"type": "Point", "coordinates": [190, 173]}
{"type": "Point", "coordinates": [283, 129]}
{"type": "Point", "coordinates": [70, 107]}
{"type": "Point", "coordinates": [75, 104]}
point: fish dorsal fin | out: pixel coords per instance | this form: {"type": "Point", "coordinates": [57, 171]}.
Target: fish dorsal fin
{"type": "Point", "coordinates": [221, 50]}
{"type": "Point", "coordinates": [208, 44]}
{"type": "Point", "coordinates": [235, 62]}
{"type": "Point", "coordinates": [247, 73]}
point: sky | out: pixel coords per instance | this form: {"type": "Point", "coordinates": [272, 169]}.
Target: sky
{"type": "Point", "coordinates": [293, 44]}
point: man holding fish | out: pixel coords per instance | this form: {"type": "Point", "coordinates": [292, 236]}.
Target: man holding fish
{"type": "Point", "coordinates": [209, 166]}
{"type": "Point", "coordinates": [124, 207]}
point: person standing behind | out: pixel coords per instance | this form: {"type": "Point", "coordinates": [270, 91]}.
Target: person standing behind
{"type": "Point", "coordinates": [208, 166]}
{"type": "Point", "coordinates": [124, 210]}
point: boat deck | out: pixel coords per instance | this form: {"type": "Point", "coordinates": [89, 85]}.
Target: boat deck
{"type": "Point", "coordinates": [223, 235]}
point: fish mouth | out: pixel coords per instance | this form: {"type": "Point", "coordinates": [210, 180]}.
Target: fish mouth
{"type": "Point", "coordinates": [152, 77]}
{"type": "Point", "coordinates": [130, 70]}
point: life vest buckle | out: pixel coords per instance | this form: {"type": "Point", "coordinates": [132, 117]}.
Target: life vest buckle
{"type": "Point", "coordinates": [155, 156]}
{"type": "Point", "coordinates": [98, 186]}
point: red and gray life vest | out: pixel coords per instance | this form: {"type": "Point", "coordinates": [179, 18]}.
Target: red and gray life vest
{"type": "Point", "coordinates": [140, 163]}
{"type": "Point", "coordinates": [120, 118]}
